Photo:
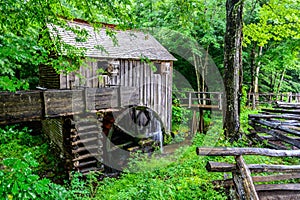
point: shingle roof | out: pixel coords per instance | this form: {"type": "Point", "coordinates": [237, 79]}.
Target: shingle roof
{"type": "Point", "coordinates": [131, 44]}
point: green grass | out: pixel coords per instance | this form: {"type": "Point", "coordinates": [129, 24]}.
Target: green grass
{"type": "Point", "coordinates": [181, 175]}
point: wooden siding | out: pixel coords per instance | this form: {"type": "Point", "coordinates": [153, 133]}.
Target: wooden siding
{"type": "Point", "coordinates": [53, 128]}
{"type": "Point", "coordinates": [48, 77]}
{"type": "Point", "coordinates": [154, 87]}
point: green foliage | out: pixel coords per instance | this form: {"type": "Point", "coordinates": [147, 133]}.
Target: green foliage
{"type": "Point", "coordinates": [180, 116]}
{"type": "Point", "coordinates": [274, 26]}
{"type": "Point", "coordinates": [18, 181]}
{"type": "Point", "coordinates": [16, 142]}
{"type": "Point", "coordinates": [26, 43]}
{"type": "Point", "coordinates": [181, 177]}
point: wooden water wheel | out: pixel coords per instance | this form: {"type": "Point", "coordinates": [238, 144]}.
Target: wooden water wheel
{"type": "Point", "coordinates": [135, 128]}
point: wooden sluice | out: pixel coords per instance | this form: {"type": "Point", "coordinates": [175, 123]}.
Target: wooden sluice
{"type": "Point", "coordinates": [37, 105]}
{"type": "Point", "coordinates": [74, 120]}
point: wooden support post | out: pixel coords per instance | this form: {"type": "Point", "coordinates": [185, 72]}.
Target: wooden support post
{"type": "Point", "coordinates": [201, 121]}
{"type": "Point", "coordinates": [243, 182]}
{"type": "Point", "coordinates": [290, 97]}
{"type": "Point", "coordinates": [190, 99]}
{"type": "Point", "coordinates": [220, 101]}
{"type": "Point", "coordinates": [194, 123]}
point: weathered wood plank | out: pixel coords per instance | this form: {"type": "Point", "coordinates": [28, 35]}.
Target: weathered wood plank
{"type": "Point", "coordinates": [282, 116]}
{"type": "Point", "coordinates": [281, 111]}
{"type": "Point", "coordinates": [278, 135]}
{"type": "Point", "coordinates": [270, 178]}
{"type": "Point", "coordinates": [262, 139]}
{"type": "Point", "coordinates": [272, 187]}
{"type": "Point", "coordinates": [242, 180]}
{"type": "Point", "coordinates": [279, 195]}
{"type": "Point", "coordinates": [278, 127]}
{"type": "Point", "coordinates": [226, 151]}
{"type": "Point", "coordinates": [226, 167]}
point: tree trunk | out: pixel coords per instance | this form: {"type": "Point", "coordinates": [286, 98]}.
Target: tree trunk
{"type": "Point", "coordinates": [281, 80]}
{"type": "Point", "coordinates": [233, 68]}
{"type": "Point", "coordinates": [256, 75]}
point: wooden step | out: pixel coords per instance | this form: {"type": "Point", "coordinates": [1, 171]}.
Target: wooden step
{"type": "Point", "coordinates": [82, 164]}
{"type": "Point", "coordinates": [85, 148]}
{"type": "Point", "coordinates": [85, 140]}
{"type": "Point", "coordinates": [90, 155]}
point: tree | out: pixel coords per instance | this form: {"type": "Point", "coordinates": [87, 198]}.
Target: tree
{"type": "Point", "coordinates": [233, 68]}
{"type": "Point", "coordinates": [274, 36]}
{"type": "Point", "coordinates": [25, 41]}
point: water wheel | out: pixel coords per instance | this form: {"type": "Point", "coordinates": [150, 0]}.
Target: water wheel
{"type": "Point", "coordinates": [136, 128]}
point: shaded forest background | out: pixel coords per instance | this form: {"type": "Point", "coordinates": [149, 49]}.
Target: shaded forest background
{"type": "Point", "coordinates": [270, 47]}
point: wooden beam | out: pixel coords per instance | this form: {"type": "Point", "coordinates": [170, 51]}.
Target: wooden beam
{"type": "Point", "coordinates": [257, 138]}
{"type": "Point", "coordinates": [232, 151]}
{"type": "Point", "coordinates": [243, 182]}
{"type": "Point", "coordinates": [278, 127]}
{"type": "Point", "coordinates": [272, 187]}
{"type": "Point", "coordinates": [279, 135]}
{"type": "Point", "coordinates": [281, 111]}
{"type": "Point", "coordinates": [262, 116]}
{"type": "Point", "coordinates": [226, 167]}
{"type": "Point", "coordinates": [279, 177]}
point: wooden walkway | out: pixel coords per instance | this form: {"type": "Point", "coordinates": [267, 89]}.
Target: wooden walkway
{"type": "Point", "coordinates": [200, 100]}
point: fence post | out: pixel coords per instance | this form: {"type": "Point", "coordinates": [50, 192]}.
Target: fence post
{"type": "Point", "coordinates": [290, 97]}
{"type": "Point", "coordinates": [220, 101]}
{"type": "Point", "coordinates": [190, 99]}
{"type": "Point", "coordinates": [243, 181]}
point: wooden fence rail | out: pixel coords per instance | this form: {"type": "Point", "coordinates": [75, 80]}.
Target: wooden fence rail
{"type": "Point", "coordinates": [281, 124]}
{"type": "Point", "coordinates": [202, 100]}
{"type": "Point", "coordinates": [243, 182]}
{"type": "Point", "coordinates": [255, 99]}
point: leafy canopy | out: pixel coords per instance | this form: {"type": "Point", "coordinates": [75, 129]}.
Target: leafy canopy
{"type": "Point", "coordinates": [24, 38]}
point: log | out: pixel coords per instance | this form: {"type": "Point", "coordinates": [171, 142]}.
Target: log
{"type": "Point", "coordinates": [272, 187]}
{"type": "Point", "coordinates": [297, 112]}
{"type": "Point", "coordinates": [279, 195]}
{"type": "Point", "coordinates": [243, 182]}
{"type": "Point", "coordinates": [279, 135]}
{"type": "Point", "coordinates": [271, 125]}
{"type": "Point", "coordinates": [285, 104]}
{"type": "Point", "coordinates": [257, 138]}
{"type": "Point", "coordinates": [227, 151]}
{"type": "Point", "coordinates": [219, 167]}
{"type": "Point", "coordinates": [290, 116]}
{"type": "Point", "coordinates": [226, 167]}
{"type": "Point", "coordinates": [280, 177]}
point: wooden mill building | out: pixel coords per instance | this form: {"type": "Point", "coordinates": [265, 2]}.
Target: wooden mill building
{"type": "Point", "coordinates": [135, 71]}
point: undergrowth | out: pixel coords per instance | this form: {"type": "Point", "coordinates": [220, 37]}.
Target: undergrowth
{"type": "Point", "coordinates": [25, 161]}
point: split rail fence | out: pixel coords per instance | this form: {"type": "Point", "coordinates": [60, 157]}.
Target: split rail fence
{"type": "Point", "coordinates": [255, 187]}
{"type": "Point", "coordinates": [278, 128]}
{"type": "Point", "coordinates": [255, 99]}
